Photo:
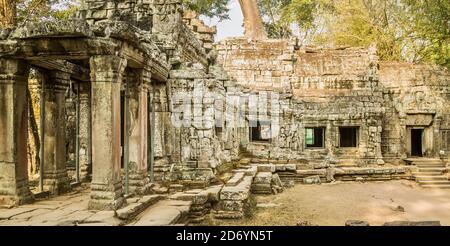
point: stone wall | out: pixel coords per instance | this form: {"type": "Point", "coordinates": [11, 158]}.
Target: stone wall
{"type": "Point", "coordinates": [415, 96]}
{"type": "Point", "coordinates": [314, 88]}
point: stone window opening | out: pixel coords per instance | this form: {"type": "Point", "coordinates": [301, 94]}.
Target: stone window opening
{"type": "Point", "coordinates": [315, 137]}
{"type": "Point", "coordinates": [219, 131]}
{"type": "Point", "coordinates": [261, 132]}
{"type": "Point", "coordinates": [348, 137]}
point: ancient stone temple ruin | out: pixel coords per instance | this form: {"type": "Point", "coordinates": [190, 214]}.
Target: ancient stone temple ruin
{"type": "Point", "coordinates": [133, 93]}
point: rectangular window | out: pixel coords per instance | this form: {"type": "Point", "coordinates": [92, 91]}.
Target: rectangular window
{"type": "Point", "coordinates": [315, 137]}
{"type": "Point", "coordinates": [348, 137]}
{"type": "Point", "coordinates": [219, 131]}
{"type": "Point", "coordinates": [262, 132]}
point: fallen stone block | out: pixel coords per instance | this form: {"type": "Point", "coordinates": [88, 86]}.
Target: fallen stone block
{"type": "Point", "coordinates": [312, 180]}
{"type": "Point", "coordinates": [236, 179]}
{"type": "Point", "coordinates": [280, 168]}
{"type": "Point", "coordinates": [228, 215]}
{"type": "Point", "coordinates": [263, 178]}
{"type": "Point", "coordinates": [413, 223]}
{"type": "Point", "coordinates": [266, 168]}
{"type": "Point", "coordinates": [356, 223]}
{"type": "Point", "coordinates": [289, 183]}
{"type": "Point", "coordinates": [234, 193]}
{"type": "Point", "coordinates": [290, 167]}
{"type": "Point", "coordinates": [232, 206]}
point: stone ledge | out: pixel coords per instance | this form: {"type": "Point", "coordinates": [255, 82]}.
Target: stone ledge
{"type": "Point", "coordinates": [134, 209]}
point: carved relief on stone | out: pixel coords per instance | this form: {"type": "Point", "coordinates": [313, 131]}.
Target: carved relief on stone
{"type": "Point", "coordinates": [418, 102]}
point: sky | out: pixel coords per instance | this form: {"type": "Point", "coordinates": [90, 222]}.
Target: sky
{"type": "Point", "coordinates": [228, 28]}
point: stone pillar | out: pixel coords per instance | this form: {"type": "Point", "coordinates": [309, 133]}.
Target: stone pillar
{"type": "Point", "coordinates": [138, 142]}
{"type": "Point", "coordinates": [403, 148]}
{"type": "Point", "coordinates": [106, 186]}
{"type": "Point", "coordinates": [55, 175]}
{"type": "Point", "coordinates": [85, 132]}
{"type": "Point", "coordinates": [436, 138]}
{"type": "Point", "coordinates": [330, 139]}
{"type": "Point", "coordinates": [14, 188]}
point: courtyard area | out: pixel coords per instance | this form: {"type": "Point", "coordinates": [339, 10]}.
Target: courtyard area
{"type": "Point", "coordinates": [334, 204]}
{"type": "Point", "coordinates": [324, 205]}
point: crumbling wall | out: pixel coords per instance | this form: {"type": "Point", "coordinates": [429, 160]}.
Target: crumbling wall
{"type": "Point", "coordinates": [202, 32]}
{"type": "Point", "coordinates": [258, 64]}
{"type": "Point", "coordinates": [315, 88]}
{"type": "Point", "coordinates": [339, 88]}
{"type": "Point", "coordinates": [415, 95]}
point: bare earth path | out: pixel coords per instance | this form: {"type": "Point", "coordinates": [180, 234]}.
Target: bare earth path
{"type": "Point", "coordinates": [334, 204]}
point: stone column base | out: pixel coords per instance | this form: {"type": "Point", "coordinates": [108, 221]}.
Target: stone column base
{"type": "Point", "coordinates": [139, 183]}
{"type": "Point", "coordinates": [57, 183]}
{"type": "Point", "coordinates": [57, 186]}
{"type": "Point", "coordinates": [106, 197]}
{"type": "Point", "coordinates": [85, 174]}
{"type": "Point", "coordinates": [15, 194]}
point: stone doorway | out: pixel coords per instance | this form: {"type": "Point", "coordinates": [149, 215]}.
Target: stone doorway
{"type": "Point", "coordinates": [417, 142]}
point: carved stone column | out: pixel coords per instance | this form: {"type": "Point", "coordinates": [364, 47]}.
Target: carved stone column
{"type": "Point", "coordinates": [85, 132]}
{"type": "Point", "coordinates": [106, 186]}
{"type": "Point", "coordinates": [437, 137]}
{"type": "Point", "coordinates": [138, 142]}
{"type": "Point", "coordinates": [14, 188]}
{"type": "Point", "coordinates": [55, 175]}
{"type": "Point", "coordinates": [403, 139]}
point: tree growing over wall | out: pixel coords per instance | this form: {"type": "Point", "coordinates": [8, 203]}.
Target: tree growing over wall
{"type": "Point", "coordinates": [209, 8]}
{"type": "Point", "coordinates": [15, 12]}
{"type": "Point", "coordinates": [7, 13]}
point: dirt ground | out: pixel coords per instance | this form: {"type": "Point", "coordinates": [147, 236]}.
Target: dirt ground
{"type": "Point", "coordinates": [334, 204]}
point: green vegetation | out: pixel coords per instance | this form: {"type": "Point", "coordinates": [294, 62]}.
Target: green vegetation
{"type": "Point", "coordinates": [403, 30]}
{"type": "Point", "coordinates": [209, 8]}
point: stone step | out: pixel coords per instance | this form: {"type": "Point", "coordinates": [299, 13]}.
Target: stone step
{"type": "Point", "coordinates": [140, 204]}
{"type": "Point", "coordinates": [166, 212]}
{"type": "Point", "coordinates": [427, 162]}
{"type": "Point", "coordinates": [422, 159]}
{"type": "Point", "coordinates": [431, 169]}
{"type": "Point", "coordinates": [437, 186]}
{"type": "Point", "coordinates": [430, 165]}
{"type": "Point", "coordinates": [429, 178]}
{"type": "Point", "coordinates": [430, 182]}
{"type": "Point", "coordinates": [427, 174]}
{"type": "Point", "coordinates": [236, 179]}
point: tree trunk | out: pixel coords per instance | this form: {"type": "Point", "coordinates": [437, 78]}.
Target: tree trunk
{"type": "Point", "coordinates": [7, 13]}
{"type": "Point", "coordinates": [252, 20]}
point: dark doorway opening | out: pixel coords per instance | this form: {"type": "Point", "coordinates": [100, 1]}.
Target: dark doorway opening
{"type": "Point", "coordinates": [348, 137]}
{"type": "Point", "coordinates": [261, 133]}
{"type": "Point", "coordinates": [122, 126]}
{"type": "Point", "coordinates": [315, 137]}
{"type": "Point", "coordinates": [416, 142]}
